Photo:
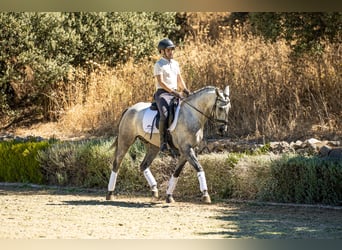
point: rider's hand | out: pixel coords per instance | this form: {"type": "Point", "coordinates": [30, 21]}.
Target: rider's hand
{"type": "Point", "coordinates": [186, 92]}
{"type": "Point", "coordinates": [176, 94]}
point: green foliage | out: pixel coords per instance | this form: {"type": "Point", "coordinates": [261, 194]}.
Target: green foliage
{"type": "Point", "coordinates": [263, 150]}
{"type": "Point", "coordinates": [287, 178]}
{"type": "Point", "coordinates": [88, 164]}
{"type": "Point", "coordinates": [42, 48]}
{"type": "Point", "coordinates": [267, 177]}
{"type": "Point", "coordinates": [83, 164]}
{"type": "Point", "coordinates": [238, 176]}
{"type": "Point", "coordinates": [233, 159]}
{"type": "Point", "coordinates": [304, 179]}
{"type": "Point", "coordinates": [117, 36]}
{"type": "Point", "coordinates": [18, 161]}
{"type": "Point", "coordinates": [305, 32]}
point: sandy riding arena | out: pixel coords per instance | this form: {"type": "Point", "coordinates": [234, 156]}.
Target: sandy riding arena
{"type": "Point", "coordinates": [42, 212]}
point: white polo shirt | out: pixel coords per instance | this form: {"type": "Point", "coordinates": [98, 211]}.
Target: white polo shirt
{"type": "Point", "coordinates": [168, 71]}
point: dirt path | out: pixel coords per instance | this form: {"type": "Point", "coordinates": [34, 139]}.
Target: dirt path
{"type": "Point", "coordinates": [33, 213]}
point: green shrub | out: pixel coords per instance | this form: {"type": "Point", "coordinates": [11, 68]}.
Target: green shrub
{"type": "Point", "coordinates": [304, 179]}
{"type": "Point", "coordinates": [88, 164]}
{"type": "Point", "coordinates": [40, 50]}
{"type": "Point", "coordinates": [18, 161]}
{"type": "Point", "coordinates": [268, 177]}
{"type": "Point", "coordinates": [232, 175]}
{"type": "Point", "coordinates": [83, 164]}
{"type": "Point", "coordinates": [265, 177]}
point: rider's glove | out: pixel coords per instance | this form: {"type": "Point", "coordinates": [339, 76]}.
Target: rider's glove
{"type": "Point", "coordinates": [186, 92]}
{"type": "Point", "coordinates": [176, 94]}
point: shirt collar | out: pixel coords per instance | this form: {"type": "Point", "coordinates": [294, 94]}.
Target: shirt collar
{"type": "Point", "coordinates": [164, 59]}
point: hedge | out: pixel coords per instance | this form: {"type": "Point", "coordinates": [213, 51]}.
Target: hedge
{"type": "Point", "coordinates": [263, 176]}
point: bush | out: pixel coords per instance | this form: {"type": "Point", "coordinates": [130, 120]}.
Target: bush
{"type": "Point", "coordinates": [18, 161]}
{"type": "Point", "coordinates": [39, 50]}
{"type": "Point", "coordinates": [264, 177]}
{"type": "Point", "coordinates": [88, 164]}
{"type": "Point", "coordinates": [304, 179]}
{"type": "Point", "coordinates": [83, 164]}
{"type": "Point", "coordinates": [303, 31]}
{"type": "Point", "coordinates": [233, 175]}
{"type": "Point", "coordinates": [268, 177]}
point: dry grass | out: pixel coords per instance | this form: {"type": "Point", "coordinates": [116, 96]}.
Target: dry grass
{"type": "Point", "coordinates": [93, 103]}
{"type": "Point", "coordinates": [272, 95]}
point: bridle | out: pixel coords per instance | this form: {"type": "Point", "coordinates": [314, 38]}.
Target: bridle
{"type": "Point", "coordinates": [212, 118]}
{"type": "Point", "coordinates": [213, 113]}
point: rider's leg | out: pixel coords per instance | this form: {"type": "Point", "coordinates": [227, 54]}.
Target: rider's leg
{"type": "Point", "coordinates": [162, 133]}
{"type": "Point", "coordinates": [162, 100]}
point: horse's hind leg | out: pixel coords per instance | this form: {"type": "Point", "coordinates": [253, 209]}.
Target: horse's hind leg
{"type": "Point", "coordinates": [151, 153]}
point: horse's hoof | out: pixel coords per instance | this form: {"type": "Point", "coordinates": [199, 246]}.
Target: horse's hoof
{"type": "Point", "coordinates": [155, 193]}
{"type": "Point", "coordinates": [169, 199]}
{"type": "Point", "coordinates": [206, 199]}
{"type": "Point", "coordinates": [110, 196]}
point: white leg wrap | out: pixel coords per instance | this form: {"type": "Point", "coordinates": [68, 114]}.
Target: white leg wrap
{"type": "Point", "coordinates": [149, 177]}
{"type": "Point", "coordinates": [172, 185]}
{"type": "Point", "coordinates": [202, 181]}
{"type": "Point", "coordinates": [112, 181]}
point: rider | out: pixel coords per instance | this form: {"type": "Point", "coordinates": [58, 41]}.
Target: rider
{"type": "Point", "coordinates": [168, 82]}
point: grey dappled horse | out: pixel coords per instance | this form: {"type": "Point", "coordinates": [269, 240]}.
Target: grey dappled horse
{"type": "Point", "coordinates": [206, 103]}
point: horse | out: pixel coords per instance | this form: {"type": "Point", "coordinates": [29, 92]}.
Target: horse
{"type": "Point", "coordinates": [208, 103]}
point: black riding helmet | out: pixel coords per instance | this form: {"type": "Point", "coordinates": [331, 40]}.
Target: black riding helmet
{"type": "Point", "coordinates": [165, 43]}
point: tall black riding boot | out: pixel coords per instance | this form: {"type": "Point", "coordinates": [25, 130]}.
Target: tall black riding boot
{"type": "Point", "coordinates": [162, 133]}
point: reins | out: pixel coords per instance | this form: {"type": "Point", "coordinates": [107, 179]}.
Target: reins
{"type": "Point", "coordinates": [206, 116]}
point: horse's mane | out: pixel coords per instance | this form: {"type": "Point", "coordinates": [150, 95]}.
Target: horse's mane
{"type": "Point", "coordinates": [199, 91]}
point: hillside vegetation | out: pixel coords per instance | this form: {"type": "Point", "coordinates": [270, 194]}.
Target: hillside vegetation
{"type": "Point", "coordinates": [81, 70]}
{"type": "Point", "coordinates": [72, 75]}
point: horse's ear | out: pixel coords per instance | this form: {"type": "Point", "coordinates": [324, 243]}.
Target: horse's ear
{"type": "Point", "coordinates": [219, 93]}
{"type": "Point", "coordinates": [226, 91]}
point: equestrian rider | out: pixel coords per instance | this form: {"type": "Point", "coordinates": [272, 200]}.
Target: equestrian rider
{"type": "Point", "coordinates": [168, 82]}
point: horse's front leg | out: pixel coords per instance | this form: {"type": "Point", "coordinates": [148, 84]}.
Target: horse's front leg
{"type": "Point", "coordinates": [174, 179]}
{"type": "Point", "coordinates": [200, 174]}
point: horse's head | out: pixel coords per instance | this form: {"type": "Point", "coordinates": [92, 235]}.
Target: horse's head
{"type": "Point", "coordinates": [221, 109]}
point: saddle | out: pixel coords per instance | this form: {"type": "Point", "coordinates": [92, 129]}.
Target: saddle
{"type": "Point", "coordinates": [171, 113]}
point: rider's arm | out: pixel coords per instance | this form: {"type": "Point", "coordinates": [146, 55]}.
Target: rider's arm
{"type": "Point", "coordinates": [162, 84]}
{"type": "Point", "coordinates": [180, 82]}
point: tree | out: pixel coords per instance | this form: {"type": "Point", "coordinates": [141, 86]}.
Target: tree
{"type": "Point", "coordinates": [39, 49]}
{"type": "Point", "coordinates": [305, 32]}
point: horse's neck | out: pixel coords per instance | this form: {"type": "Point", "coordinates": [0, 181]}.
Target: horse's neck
{"type": "Point", "coordinates": [204, 103]}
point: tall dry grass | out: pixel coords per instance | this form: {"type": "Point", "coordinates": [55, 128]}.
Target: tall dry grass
{"type": "Point", "coordinates": [93, 102]}
{"type": "Point", "coordinates": [272, 94]}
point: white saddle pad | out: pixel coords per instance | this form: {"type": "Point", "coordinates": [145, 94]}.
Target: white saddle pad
{"type": "Point", "coordinates": [149, 116]}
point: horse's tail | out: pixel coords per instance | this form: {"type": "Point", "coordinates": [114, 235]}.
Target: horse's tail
{"type": "Point", "coordinates": [115, 142]}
